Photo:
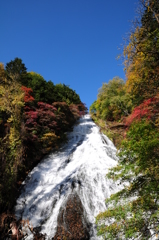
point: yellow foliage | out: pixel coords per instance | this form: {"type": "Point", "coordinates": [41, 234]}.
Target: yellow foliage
{"type": "Point", "coordinates": [2, 73]}
{"type": "Point", "coordinates": [11, 103]}
{"type": "Point", "coordinates": [139, 67]}
{"type": "Point", "coordinates": [35, 74]}
{"type": "Point", "coordinates": [48, 136]}
{"type": "Point", "coordinates": [49, 141]}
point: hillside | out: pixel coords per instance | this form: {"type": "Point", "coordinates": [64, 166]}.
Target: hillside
{"type": "Point", "coordinates": [34, 118]}
{"type": "Point", "coordinates": [128, 112]}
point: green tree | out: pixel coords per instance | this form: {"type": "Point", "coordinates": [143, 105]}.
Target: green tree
{"type": "Point", "coordinates": [38, 84]}
{"type": "Point", "coordinates": [17, 71]}
{"type": "Point", "coordinates": [65, 94]}
{"type": "Point", "coordinates": [112, 102]}
{"type": "Point", "coordinates": [48, 92]}
{"type": "Point", "coordinates": [134, 210]}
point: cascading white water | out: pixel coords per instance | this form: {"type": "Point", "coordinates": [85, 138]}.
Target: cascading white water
{"type": "Point", "coordinates": [79, 166]}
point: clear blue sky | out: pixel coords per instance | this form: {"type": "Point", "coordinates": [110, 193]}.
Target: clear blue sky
{"type": "Point", "coordinates": [74, 42]}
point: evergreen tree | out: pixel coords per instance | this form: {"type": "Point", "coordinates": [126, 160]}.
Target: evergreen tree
{"type": "Point", "coordinates": [17, 71]}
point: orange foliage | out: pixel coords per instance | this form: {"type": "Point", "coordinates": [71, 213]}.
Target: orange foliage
{"type": "Point", "coordinates": [27, 97]}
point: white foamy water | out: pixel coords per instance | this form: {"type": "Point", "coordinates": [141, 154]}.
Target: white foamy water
{"type": "Point", "coordinates": [79, 166]}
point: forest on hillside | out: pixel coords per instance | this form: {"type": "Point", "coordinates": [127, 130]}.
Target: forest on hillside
{"type": "Point", "coordinates": [35, 115]}
{"type": "Point", "coordinates": [134, 106]}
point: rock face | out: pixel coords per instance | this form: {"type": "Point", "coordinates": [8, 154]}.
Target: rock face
{"type": "Point", "coordinates": [71, 222]}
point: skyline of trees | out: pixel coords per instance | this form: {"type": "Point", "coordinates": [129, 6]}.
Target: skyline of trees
{"type": "Point", "coordinates": [34, 117]}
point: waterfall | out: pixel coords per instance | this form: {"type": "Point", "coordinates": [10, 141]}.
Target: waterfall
{"type": "Point", "coordinates": [80, 166]}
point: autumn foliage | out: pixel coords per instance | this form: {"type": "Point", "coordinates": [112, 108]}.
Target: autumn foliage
{"type": "Point", "coordinates": [32, 123]}
{"type": "Point", "coordinates": [27, 96]}
{"type": "Point", "coordinates": [149, 110]}
{"type": "Point", "coordinates": [132, 213]}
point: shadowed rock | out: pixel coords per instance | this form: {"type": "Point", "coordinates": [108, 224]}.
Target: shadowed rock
{"type": "Point", "coordinates": [71, 223]}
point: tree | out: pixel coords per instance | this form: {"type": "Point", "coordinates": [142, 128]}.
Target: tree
{"type": "Point", "coordinates": [132, 213]}
{"type": "Point", "coordinates": [27, 97]}
{"type": "Point", "coordinates": [31, 120]}
{"type": "Point", "coordinates": [153, 10]}
{"type": "Point", "coordinates": [2, 74]}
{"type": "Point", "coordinates": [17, 71]}
{"type": "Point", "coordinates": [11, 147]}
{"type": "Point", "coordinates": [113, 101]}
{"type": "Point", "coordinates": [65, 94]}
{"type": "Point", "coordinates": [48, 92]}
{"type": "Point", "coordinates": [38, 84]}
{"type": "Point", "coordinates": [142, 55]}
{"type": "Point", "coordinates": [149, 110]}
{"type": "Point", "coordinates": [134, 209]}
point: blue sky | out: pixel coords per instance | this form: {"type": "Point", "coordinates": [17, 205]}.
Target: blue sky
{"type": "Point", "coordinates": [74, 42]}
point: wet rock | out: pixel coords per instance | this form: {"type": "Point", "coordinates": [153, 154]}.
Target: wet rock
{"type": "Point", "coordinates": [8, 227]}
{"type": "Point", "coordinates": [71, 223]}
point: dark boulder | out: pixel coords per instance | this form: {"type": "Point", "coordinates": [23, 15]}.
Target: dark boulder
{"type": "Point", "coordinates": [72, 223]}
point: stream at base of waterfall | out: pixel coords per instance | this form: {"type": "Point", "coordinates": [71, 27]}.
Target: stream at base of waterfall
{"type": "Point", "coordinates": [77, 169]}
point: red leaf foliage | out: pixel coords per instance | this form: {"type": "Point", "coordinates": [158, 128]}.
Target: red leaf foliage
{"type": "Point", "coordinates": [46, 106]}
{"type": "Point", "coordinates": [82, 109]}
{"type": "Point", "coordinates": [27, 97]}
{"type": "Point", "coordinates": [56, 118]}
{"type": "Point", "coordinates": [41, 118]}
{"type": "Point", "coordinates": [149, 109]}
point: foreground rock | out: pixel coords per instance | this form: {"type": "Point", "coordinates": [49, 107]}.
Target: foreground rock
{"type": "Point", "coordinates": [72, 223]}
